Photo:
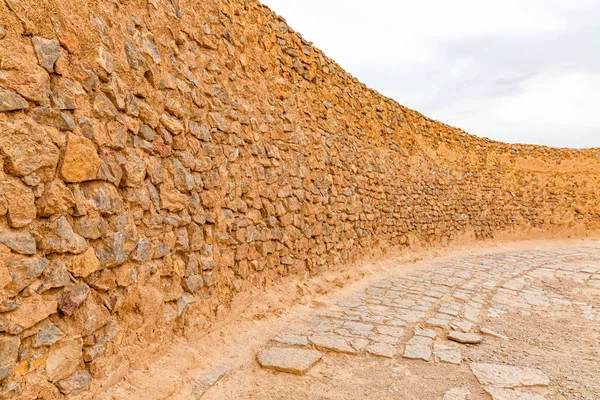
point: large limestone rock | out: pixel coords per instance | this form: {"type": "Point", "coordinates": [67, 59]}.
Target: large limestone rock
{"type": "Point", "coordinates": [10, 101]}
{"type": "Point", "coordinates": [55, 275]}
{"type": "Point", "coordinates": [92, 315]}
{"type": "Point", "coordinates": [19, 241]}
{"type": "Point", "coordinates": [33, 309]}
{"type": "Point", "coordinates": [56, 199]}
{"type": "Point", "coordinates": [58, 237]}
{"type": "Point", "coordinates": [29, 149]}
{"type": "Point", "coordinates": [103, 197]}
{"type": "Point", "coordinates": [103, 107]}
{"type": "Point", "coordinates": [53, 117]}
{"type": "Point", "coordinates": [134, 58]}
{"type": "Point", "coordinates": [23, 271]}
{"type": "Point", "coordinates": [65, 93]}
{"type": "Point", "coordinates": [29, 80]}
{"type": "Point", "coordinates": [64, 358]}
{"type": "Point", "coordinates": [49, 335]}
{"type": "Point", "coordinates": [76, 383]}
{"type": "Point", "coordinates": [20, 202]}
{"type": "Point", "coordinates": [83, 264]}
{"type": "Point", "coordinates": [72, 297]}
{"type": "Point", "coordinates": [171, 124]}
{"type": "Point", "coordinates": [9, 351]}
{"type": "Point", "coordinates": [81, 161]}
{"type": "Point", "coordinates": [47, 50]}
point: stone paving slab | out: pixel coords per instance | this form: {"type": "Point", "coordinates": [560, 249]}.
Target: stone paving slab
{"type": "Point", "coordinates": [508, 376]}
{"type": "Point", "coordinates": [447, 353]}
{"type": "Point", "coordinates": [382, 350]}
{"type": "Point", "coordinates": [294, 361]}
{"type": "Point", "coordinates": [204, 382]}
{"type": "Point", "coordinates": [332, 343]}
{"type": "Point", "coordinates": [420, 315]}
{"type": "Point", "coordinates": [465, 338]}
{"type": "Point", "coordinates": [461, 393]}
{"type": "Point", "coordinates": [510, 394]}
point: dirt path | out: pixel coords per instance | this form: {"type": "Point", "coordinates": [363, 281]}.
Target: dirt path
{"type": "Point", "coordinates": [543, 296]}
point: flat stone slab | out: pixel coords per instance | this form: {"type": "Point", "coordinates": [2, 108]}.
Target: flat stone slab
{"type": "Point", "coordinates": [461, 393]}
{"type": "Point", "coordinates": [447, 353]}
{"type": "Point", "coordinates": [461, 325]}
{"type": "Point", "coordinates": [391, 331]}
{"type": "Point", "coordinates": [208, 380]}
{"type": "Point", "coordinates": [202, 382]}
{"type": "Point", "coordinates": [420, 340]}
{"type": "Point", "coordinates": [417, 352]}
{"type": "Point", "coordinates": [332, 343]}
{"type": "Point", "coordinates": [426, 333]}
{"type": "Point", "coordinates": [419, 346]}
{"type": "Point", "coordinates": [438, 322]}
{"type": "Point", "coordinates": [293, 361]}
{"type": "Point", "coordinates": [293, 340]}
{"type": "Point", "coordinates": [358, 343]}
{"type": "Point", "coordinates": [489, 332]}
{"type": "Point", "coordinates": [465, 338]}
{"type": "Point", "coordinates": [382, 350]}
{"type": "Point", "coordinates": [510, 394]}
{"type": "Point", "coordinates": [358, 328]}
{"type": "Point", "coordinates": [507, 376]}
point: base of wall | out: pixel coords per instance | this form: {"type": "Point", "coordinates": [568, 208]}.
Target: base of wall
{"type": "Point", "coordinates": [275, 299]}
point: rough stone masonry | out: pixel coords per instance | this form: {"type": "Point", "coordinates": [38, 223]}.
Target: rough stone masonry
{"type": "Point", "coordinates": [157, 161]}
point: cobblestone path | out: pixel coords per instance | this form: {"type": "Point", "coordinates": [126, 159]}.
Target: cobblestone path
{"type": "Point", "coordinates": [432, 331]}
{"type": "Point", "coordinates": [431, 313]}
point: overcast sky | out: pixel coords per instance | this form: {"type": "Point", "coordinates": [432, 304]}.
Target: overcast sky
{"type": "Point", "coordinates": [525, 71]}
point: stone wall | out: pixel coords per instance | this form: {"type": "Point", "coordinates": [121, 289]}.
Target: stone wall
{"type": "Point", "coordinates": [158, 157]}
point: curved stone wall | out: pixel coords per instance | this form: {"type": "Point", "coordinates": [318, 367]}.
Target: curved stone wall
{"type": "Point", "coordinates": [159, 157]}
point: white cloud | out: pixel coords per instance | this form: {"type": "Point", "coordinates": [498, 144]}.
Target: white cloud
{"type": "Point", "coordinates": [513, 70]}
{"type": "Point", "coordinates": [558, 110]}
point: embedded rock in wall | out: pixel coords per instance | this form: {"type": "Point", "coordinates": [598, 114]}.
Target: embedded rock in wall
{"type": "Point", "coordinates": [81, 161]}
{"type": "Point", "coordinates": [155, 162]}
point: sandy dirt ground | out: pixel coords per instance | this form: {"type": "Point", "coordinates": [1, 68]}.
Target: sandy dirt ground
{"type": "Point", "coordinates": [544, 296]}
